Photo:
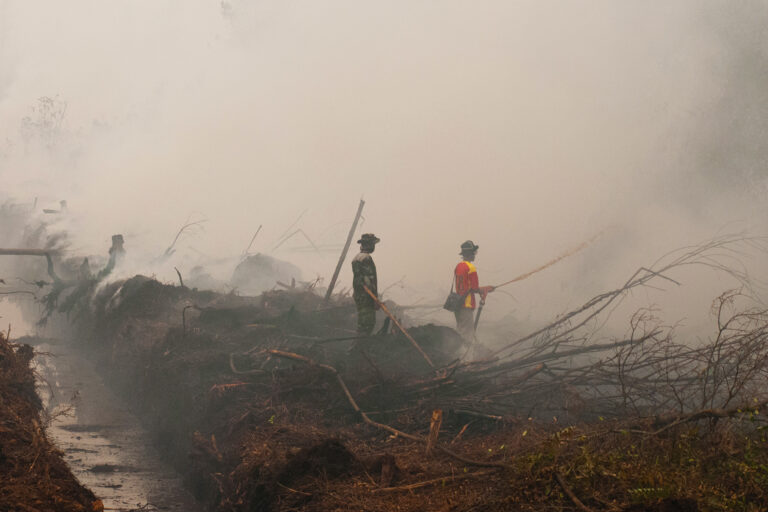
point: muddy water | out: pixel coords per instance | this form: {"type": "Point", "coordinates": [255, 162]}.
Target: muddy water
{"type": "Point", "coordinates": [103, 443]}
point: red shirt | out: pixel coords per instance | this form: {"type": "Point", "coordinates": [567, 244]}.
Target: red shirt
{"type": "Point", "coordinates": [467, 282]}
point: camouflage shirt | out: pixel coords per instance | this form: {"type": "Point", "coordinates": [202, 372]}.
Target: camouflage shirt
{"type": "Point", "coordinates": [364, 273]}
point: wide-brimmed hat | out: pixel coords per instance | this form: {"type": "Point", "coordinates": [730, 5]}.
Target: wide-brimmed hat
{"type": "Point", "coordinates": [469, 246]}
{"type": "Point", "coordinates": [369, 238]}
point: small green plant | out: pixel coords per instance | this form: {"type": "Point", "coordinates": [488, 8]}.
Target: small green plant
{"type": "Point", "coordinates": [644, 494]}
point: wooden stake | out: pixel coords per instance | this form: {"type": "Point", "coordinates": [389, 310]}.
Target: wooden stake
{"type": "Point", "coordinates": [245, 252]}
{"type": "Point", "coordinates": [434, 430]}
{"type": "Point", "coordinates": [344, 251]}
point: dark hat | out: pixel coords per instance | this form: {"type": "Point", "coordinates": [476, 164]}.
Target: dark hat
{"type": "Point", "coordinates": [469, 246]}
{"type": "Point", "coordinates": [117, 239]}
{"type": "Point", "coordinates": [368, 238]}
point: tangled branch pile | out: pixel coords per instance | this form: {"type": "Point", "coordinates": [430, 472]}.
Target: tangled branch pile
{"type": "Point", "coordinates": [283, 408]}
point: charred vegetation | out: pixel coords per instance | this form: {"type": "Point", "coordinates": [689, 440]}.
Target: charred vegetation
{"type": "Point", "coordinates": [273, 403]}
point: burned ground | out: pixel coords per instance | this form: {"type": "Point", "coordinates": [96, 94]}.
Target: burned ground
{"type": "Point", "coordinates": [273, 403]}
{"type": "Point", "coordinates": [34, 474]}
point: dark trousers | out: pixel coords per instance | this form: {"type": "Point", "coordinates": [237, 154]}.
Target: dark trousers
{"type": "Point", "coordinates": [465, 323]}
{"type": "Point", "coordinates": [366, 316]}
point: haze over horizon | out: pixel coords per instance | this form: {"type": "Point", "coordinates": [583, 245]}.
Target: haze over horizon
{"type": "Point", "coordinates": [527, 127]}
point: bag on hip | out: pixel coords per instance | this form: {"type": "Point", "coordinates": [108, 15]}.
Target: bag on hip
{"type": "Point", "coordinates": [454, 302]}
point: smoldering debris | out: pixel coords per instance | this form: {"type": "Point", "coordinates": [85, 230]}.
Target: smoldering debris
{"type": "Point", "coordinates": [249, 385]}
{"type": "Point", "coordinates": [260, 272]}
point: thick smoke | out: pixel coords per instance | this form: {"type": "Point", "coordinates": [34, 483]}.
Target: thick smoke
{"type": "Point", "coordinates": [525, 126]}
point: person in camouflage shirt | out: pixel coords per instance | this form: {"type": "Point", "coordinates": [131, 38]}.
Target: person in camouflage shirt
{"type": "Point", "coordinates": [364, 274]}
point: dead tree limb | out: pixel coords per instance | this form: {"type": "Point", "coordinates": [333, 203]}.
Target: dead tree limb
{"type": "Point", "coordinates": [426, 483]}
{"type": "Point", "coordinates": [245, 252]}
{"type": "Point", "coordinates": [181, 281]}
{"type": "Point", "coordinates": [520, 363]}
{"type": "Point", "coordinates": [672, 421]}
{"type": "Point", "coordinates": [241, 372]}
{"type": "Point", "coordinates": [369, 421]}
{"type": "Point", "coordinates": [27, 252]}
{"type": "Point", "coordinates": [187, 226]}
{"type": "Point", "coordinates": [702, 255]}
{"type": "Point", "coordinates": [288, 229]}
{"type": "Point", "coordinates": [567, 490]}
{"type": "Point", "coordinates": [48, 253]}
{"type": "Point", "coordinates": [40, 283]}
{"type": "Point", "coordinates": [19, 292]}
{"type": "Point", "coordinates": [298, 231]}
{"type": "Point", "coordinates": [402, 329]}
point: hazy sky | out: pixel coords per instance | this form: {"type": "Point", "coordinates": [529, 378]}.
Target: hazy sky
{"type": "Point", "coordinates": [527, 126]}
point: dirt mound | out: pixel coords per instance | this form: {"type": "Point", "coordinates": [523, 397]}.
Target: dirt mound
{"type": "Point", "coordinates": [329, 458]}
{"type": "Point", "coordinates": [259, 273]}
{"type": "Point", "coordinates": [34, 474]}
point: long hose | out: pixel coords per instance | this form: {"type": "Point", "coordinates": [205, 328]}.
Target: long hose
{"type": "Point", "coordinates": [571, 252]}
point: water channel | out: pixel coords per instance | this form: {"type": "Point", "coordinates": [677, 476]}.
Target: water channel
{"type": "Point", "coordinates": [103, 442]}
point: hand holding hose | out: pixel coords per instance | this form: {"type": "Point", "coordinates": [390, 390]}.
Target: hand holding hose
{"type": "Point", "coordinates": [484, 291]}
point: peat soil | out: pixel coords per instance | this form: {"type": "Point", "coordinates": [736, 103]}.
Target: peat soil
{"type": "Point", "coordinates": [258, 402]}
{"type": "Point", "coordinates": [33, 474]}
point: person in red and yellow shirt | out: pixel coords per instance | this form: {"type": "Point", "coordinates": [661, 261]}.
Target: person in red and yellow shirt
{"type": "Point", "coordinates": [467, 284]}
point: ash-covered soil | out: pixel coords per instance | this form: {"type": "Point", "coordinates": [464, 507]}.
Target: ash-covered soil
{"type": "Point", "coordinates": [272, 403]}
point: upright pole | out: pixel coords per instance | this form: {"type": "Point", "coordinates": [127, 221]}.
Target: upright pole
{"type": "Point", "coordinates": [344, 251]}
